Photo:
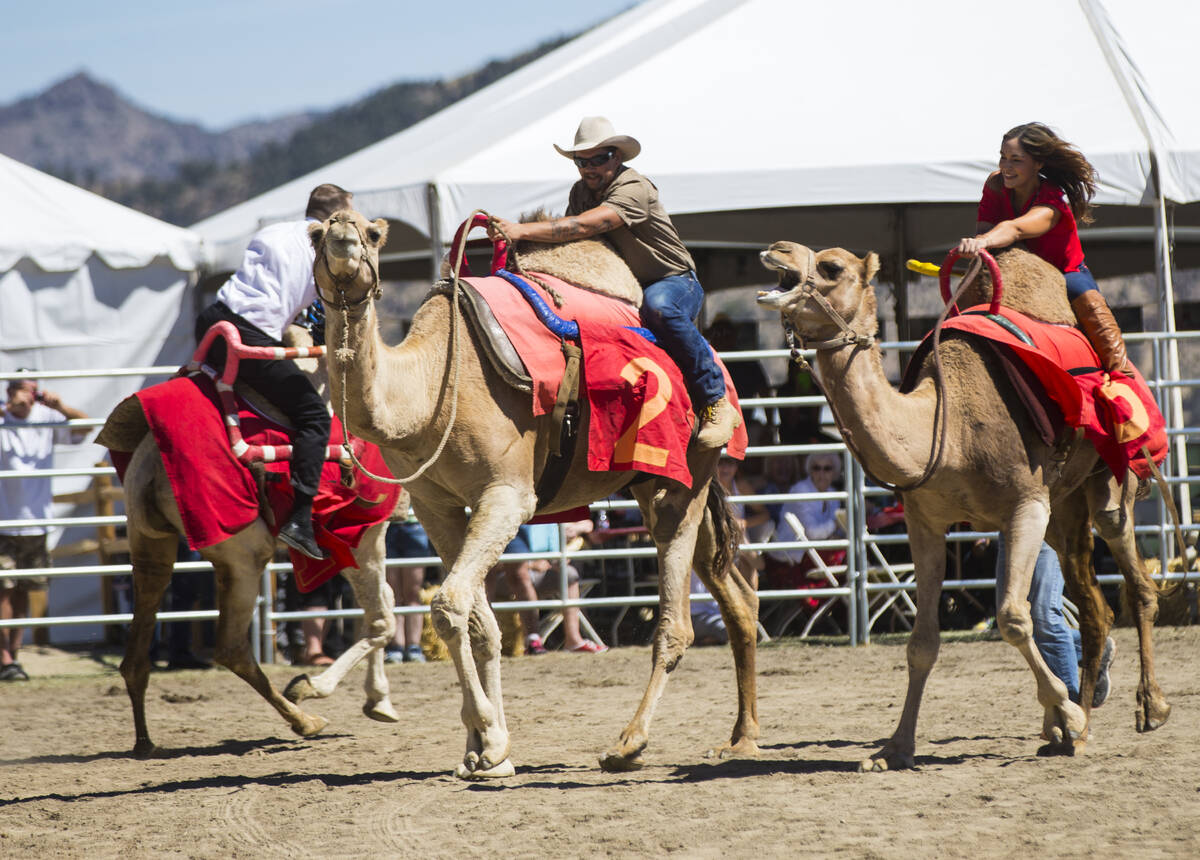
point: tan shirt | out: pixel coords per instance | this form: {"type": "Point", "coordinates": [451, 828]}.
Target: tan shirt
{"type": "Point", "coordinates": [647, 241]}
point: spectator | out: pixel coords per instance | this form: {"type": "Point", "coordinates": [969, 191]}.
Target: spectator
{"type": "Point", "coordinates": [26, 448]}
{"type": "Point", "coordinates": [780, 474]}
{"type": "Point", "coordinates": [707, 622]}
{"type": "Point", "coordinates": [787, 569]}
{"type": "Point", "coordinates": [540, 579]}
{"type": "Point", "coordinates": [750, 517]}
{"type": "Point", "coordinates": [407, 540]}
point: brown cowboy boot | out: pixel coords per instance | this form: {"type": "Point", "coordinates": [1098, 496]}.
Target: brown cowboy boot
{"type": "Point", "coordinates": [718, 420]}
{"type": "Point", "coordinates": [1101, 329]}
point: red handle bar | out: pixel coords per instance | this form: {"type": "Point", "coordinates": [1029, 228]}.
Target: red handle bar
{"type": "Point", "coordinates": [997, 282]}
{"type": "Point", "coordinates": [499, 246]}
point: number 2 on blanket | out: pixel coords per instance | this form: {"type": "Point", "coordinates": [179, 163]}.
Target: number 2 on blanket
{"type": "Point", "coordinates": [628, 449]}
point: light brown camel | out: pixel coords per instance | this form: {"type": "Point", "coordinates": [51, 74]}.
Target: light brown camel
{"type": "Point", "coordinates": [238, 562]}
{"type": "Point", "coordinates": [995, 472]}
{"type": "Point", "coordinates": [404, 397]}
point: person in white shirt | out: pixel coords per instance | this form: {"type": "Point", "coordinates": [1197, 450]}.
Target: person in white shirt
{"type": "Point", "coordinates": [273, 284]}
{"type": "Point", "coordinates": [26, 448]}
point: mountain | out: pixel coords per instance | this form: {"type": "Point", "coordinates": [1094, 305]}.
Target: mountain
{"type": "Point", "coordinates": [83, 130]}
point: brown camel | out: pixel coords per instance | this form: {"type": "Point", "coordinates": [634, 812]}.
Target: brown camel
{"type": "Point", "coordinates": [995, 472]}
{"type": "Point", "coordinates": [435, 387]}
{"type": "Point", "coordinates": [238, 562]}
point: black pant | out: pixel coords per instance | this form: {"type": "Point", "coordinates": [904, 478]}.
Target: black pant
{"type": "Point", "coordinates": [286, 386]}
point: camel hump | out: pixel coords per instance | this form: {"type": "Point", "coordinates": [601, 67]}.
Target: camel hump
{"type": "Point", "coordinates": [125, 426]}
{"type": "Point", "coordinates": [590, 264]}
{"type": "Point", "coordinates": [1031, 286]}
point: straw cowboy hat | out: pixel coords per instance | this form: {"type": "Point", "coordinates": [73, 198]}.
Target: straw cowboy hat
{"type": "Point", "coordinates": [595, 132]}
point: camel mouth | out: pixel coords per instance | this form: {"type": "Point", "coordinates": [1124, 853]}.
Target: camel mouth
{"type": "Point", "coordinates": [789, 278]}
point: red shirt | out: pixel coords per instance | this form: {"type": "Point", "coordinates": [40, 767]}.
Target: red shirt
{"type": "Point", "coordinates": [1060, 246]}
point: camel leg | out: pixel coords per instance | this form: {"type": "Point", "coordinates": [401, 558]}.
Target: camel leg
{"type": "Point", "coordinates": [673, 519]}
{"type": "Point", "coordinates": [1112, 508]}
{"type": "Point", "coordinates": [237, 593]}
{"type": "Point", "coordinates": [739, 609]}
{"type": "Point", "coordinates": [464, 620]}
{"type": "Point", "coordinates": [929, 558]}
{"type": "Point", "coordinates": [374, 595]}
{"type": "Point", "coordinates": [1063, 720]}
{"type": "Point", "coordinates": [153, 562]}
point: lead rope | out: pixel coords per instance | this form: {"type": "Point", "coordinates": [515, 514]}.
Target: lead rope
{"type": "Point", "coordinates": [346, 353]}
{"type": "Point", "coordinates": [938, 442]}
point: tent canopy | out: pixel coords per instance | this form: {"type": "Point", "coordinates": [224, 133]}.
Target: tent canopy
{"type": "Point", "coordinates": [771, 107]}
{"type": "Point", "coordinates": [58, 226]}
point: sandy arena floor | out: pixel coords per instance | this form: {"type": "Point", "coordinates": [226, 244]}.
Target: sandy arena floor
{"type": "Point", "coordinates": [236, 783]}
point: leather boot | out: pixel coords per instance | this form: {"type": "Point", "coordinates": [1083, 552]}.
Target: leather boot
{"type": "Point", "coordinates": [297, 532]}
{"type": "Point", "coordinates": [1101, 329]}
{"type": "Point", "coordinates": [718, 420]}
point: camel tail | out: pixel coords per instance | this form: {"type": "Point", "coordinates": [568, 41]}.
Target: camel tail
{"type": "Point", "coordinates": [725, 530]}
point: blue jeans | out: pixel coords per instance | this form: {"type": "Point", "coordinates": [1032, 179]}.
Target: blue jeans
{"type": "Point", "coordinates": [1057, 641]}
{"type": "Point", "coordinates": [669, 309]}
{"type": "Point", "coordinates": [1079, 282]}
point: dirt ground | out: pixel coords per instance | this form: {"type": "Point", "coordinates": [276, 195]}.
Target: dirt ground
{"type": "Point", "coordinates": [235, 783]}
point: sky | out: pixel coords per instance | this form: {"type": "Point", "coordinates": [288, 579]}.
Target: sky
{"type": "Point", "coordinates": [221, 62]}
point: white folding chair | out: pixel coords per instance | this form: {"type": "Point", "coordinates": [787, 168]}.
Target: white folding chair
{"type": "Point", "coordinates": [828, 573]}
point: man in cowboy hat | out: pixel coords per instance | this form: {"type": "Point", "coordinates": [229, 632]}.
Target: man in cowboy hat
{"type": "Point", "coordinates": [613, 199]}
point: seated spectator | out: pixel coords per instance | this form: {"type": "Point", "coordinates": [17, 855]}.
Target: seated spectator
{"type": "Point", "coordinates": [751, 517]}
{"type": "Point", "coordinates": [780, 474]}
{"type": "Point", "coordinates": [407, 540]}
{"type": "Point", "coordinates": [786, 569]}
{"type": "Point", "coordinates": [707, 622]}
{"type": "Point", "coordinates": [540, 579]}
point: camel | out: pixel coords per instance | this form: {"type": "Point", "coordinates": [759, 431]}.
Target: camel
{"type": "Point", "coordinates": [154, 527]}
{"type": "Point", "coordinates": [995, 472]}
{"type": "Point", "coordinates": [436, 389]}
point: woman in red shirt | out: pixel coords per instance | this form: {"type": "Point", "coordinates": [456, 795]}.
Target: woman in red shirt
{"type": "Point", "coordinates": [1042, 187]}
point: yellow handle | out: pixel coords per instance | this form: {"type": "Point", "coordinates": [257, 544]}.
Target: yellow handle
{"type": "Point", "coordinates": [921, 268]}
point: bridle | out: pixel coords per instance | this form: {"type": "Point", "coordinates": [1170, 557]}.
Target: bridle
{"type": "Point", "coordinates": [340, 282]}
{"type": "Point", "coordinates": [848, 337]}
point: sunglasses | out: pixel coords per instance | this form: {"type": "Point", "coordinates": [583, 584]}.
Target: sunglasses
{"type": "Point", "coordinates": [595, 160]}
{"type": "Point", "coordinates": [821, 469]}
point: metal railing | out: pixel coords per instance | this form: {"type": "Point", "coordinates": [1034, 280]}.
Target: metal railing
{"type": "Point", "coordinates": [858, 590]}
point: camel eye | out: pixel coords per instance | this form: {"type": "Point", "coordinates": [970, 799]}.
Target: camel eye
{"type": "Point", "coordinates": [829, 269]}
{"type": "Point", "coordinates": [374, 233]}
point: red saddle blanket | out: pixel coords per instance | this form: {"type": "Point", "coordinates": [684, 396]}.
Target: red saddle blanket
{"type": "Point", "coordinates": [641, 414]}
{"type": "Point", "coordinates": [1116, 411]}
{"type": "Point", "coordinates": [217, 496]}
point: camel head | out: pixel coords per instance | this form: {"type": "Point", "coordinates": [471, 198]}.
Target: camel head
{"type": "Point", "coordinates": [347, 262]}
{"type": "Point", "coordinates": [835, 274]}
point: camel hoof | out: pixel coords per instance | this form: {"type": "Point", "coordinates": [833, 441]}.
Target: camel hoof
{"type": "Point", "coordinates": [1148, 722]}
{"type": "Point", "coordinates": [612, 762]}
{"type": "Point", "coordinates": [872, 765]}
{"type": "Point", "coordinates": [299, 689]}
{"type": "Point", "coordinates": [381, 712]}
{"type": "Point", "coordinates": [144, 749]}
{"type": "Point", "coordinates": [309, 725]}
{"type": "Point", "coordinates": [745, 748]}
{"type": "Point", "coordinates": [473, 767]}
{"type": "Point", "coordinates": [1056, 748]}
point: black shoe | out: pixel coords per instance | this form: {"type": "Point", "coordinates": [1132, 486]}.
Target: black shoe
{"type": "Point", "coordinates": [13, 672]}
{"type": "Point", "coordinates": [298, 534]}
{"type": "Point", "coordinates": [1103, 684]}
{"type": "Point", "coordinates": [187, 660]}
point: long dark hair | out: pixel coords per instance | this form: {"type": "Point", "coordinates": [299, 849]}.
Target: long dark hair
{"type": "Point", "coordinates": [1062, 164]}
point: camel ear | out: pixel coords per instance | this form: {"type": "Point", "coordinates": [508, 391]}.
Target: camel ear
{"type": "Point", "coordinates": [378, 231]}
{"type": "Point", "coordinates": [870, 267]}
{"type": "Point", "coordinates": [316, 233]}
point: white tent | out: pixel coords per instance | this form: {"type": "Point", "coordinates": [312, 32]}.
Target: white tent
{"type": "Point", "coordinates": [852, 123]}
{"type": "Point", "coordinates": [88, 284]}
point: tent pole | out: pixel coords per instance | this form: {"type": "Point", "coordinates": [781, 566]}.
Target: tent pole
{"type": "Point", "coordinates": [435, 229]}
{"type": "Point", "coordinates": [1166, 283]}
{"type": "Point", "coordinates": [900, 280]}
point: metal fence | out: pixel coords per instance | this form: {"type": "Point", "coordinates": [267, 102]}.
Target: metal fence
{"type": "Point", "coordinates": [865, 586]}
